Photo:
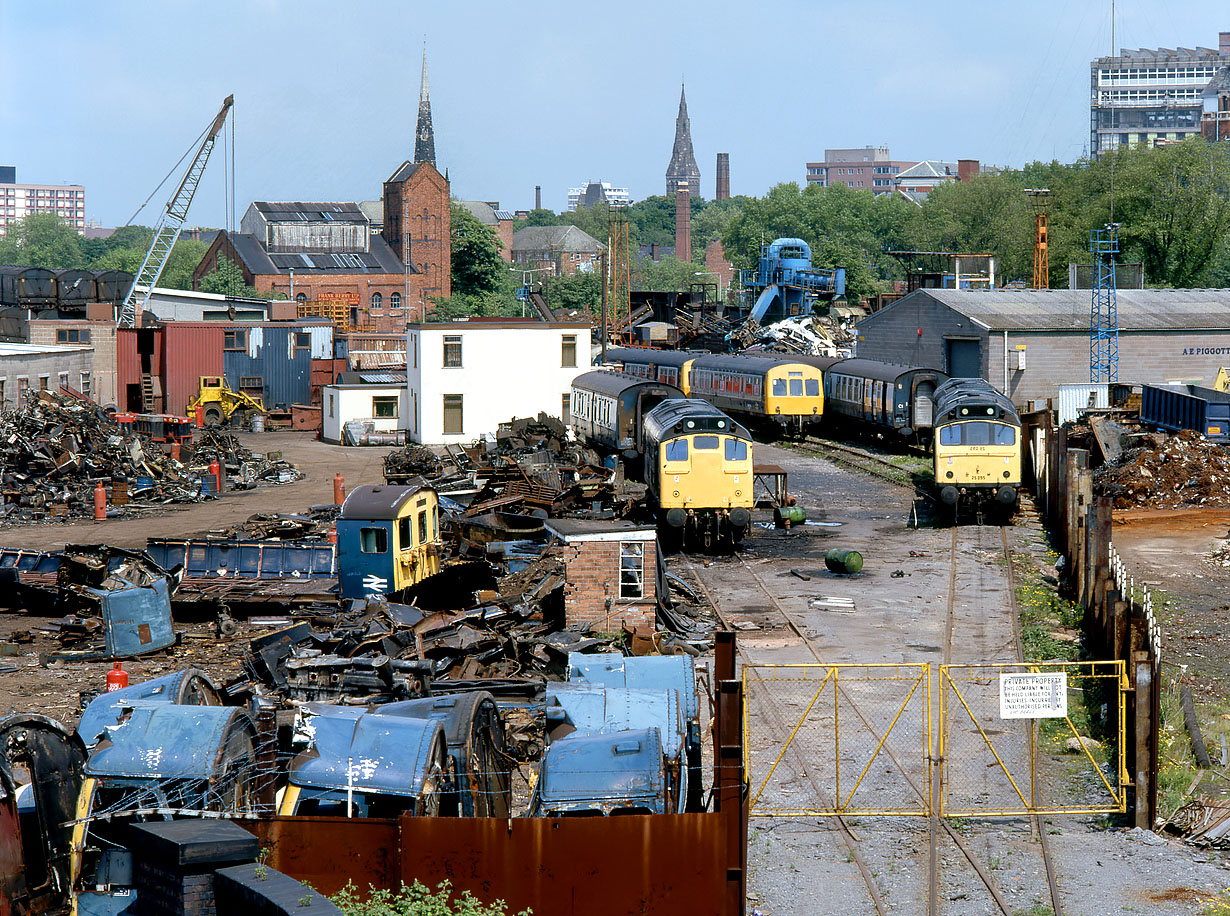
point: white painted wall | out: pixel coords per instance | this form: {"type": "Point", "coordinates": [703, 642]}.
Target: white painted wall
{"type": "Point", "coordinates": [341, 403]}
{"type": "Point", "coordinates": [509, 368]}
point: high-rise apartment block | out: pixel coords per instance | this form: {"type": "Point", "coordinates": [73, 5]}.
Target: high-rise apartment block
{"type": "Point", "coordinates": [870, 168]}
{"type": "Point", "coordinates": [1151, 96]}
{"type": "Point", "coordinates": [66, 201]}
{"type": "Point", "coordinates": [593, 192]}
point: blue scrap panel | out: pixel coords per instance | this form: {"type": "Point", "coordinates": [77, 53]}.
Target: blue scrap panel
{"type": "Point", "coordinates": [245, 559]}
{"type": "Point", "coordinates": [136, 620]}
{"type": "Point", "coordinates": [281, 356]}
{"type": "Point", "coordinates": [1177, 407]}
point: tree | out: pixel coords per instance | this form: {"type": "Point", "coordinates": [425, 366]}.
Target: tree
{"type": "Point", "coordinates": [185, 256]}
{"type": "Point", "coordinates": [580, 292]}
{"type": "Point", "coordinates": [42, 240]}
{"type": "Point", "coordinates": [226, 280]}
{"type": "Point", "coordinates": [666, 274]}
{"type": "Point", "coordinates": [478, 268]}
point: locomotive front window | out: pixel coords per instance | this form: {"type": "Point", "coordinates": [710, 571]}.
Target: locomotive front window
{"type": "Point", "coordinates": [705, 443]}
{"type": "Point", "coordinates": [373, 540]}
{"type": "Point", "coordinates": [736, 450]}
{"type": "Point", "coordinates": [677, 450]}
{"type": "Point", "coordinates": [796, 384]}
{"type": "Point", "coordinates": [779, 387]}
{"type": "Point", "coordinates": [978, 432]}
{"type": "Point", "coordinates": [813, 387]}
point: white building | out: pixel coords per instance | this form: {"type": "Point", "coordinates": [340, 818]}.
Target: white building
{"type": "Point", "coordinates": [17, 201]}
{"type": "Point", "coordinates": [465, 377]}
{"type": "Point", "coordinates": [1147, 96]}
{"type": "Point", "coordinates": [379, 407]}
{"type": "Point", "coordinates": [593, 191]}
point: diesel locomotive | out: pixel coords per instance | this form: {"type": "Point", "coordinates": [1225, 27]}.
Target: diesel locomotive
{"type": "Point", "coordinates": [977, 447]}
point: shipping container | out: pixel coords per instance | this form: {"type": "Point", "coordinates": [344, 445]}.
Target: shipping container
{"type": "Point", "coordinates": [175, 356]}
{"type": "Point", "coordinates": [273, 361]}
{"type": "Point", "coordinates": [1176, 407]}
{"type": "Point", "coordinates": [1073, 399]}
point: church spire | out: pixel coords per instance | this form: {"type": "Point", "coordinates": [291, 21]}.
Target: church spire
{"type": "Point", "coordinates": [424, 136]}
{"type": "Point", "coordinates": [683, 167]}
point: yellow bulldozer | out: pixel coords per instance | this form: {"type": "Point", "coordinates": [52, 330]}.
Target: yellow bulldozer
{"type": "Point", "coordinates": [219, 403]}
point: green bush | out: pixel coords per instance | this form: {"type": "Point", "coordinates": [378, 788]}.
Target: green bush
{"type": "Point", "coordinates": [418, 900]}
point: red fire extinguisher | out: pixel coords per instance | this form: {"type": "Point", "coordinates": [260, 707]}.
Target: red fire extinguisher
{"type": "Point", "coordinates": [117, 678]}
{"type": "Point", "coordinates": [215, 471]}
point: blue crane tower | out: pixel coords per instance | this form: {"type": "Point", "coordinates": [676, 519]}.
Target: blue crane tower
{"type": "Point", "coordinates": [784, 284]}
{"type": "Point", "coordinates": [1103, 311]}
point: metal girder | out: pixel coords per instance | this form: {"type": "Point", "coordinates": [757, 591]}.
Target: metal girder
{"type": "Point", "coordinates": [170, 224]}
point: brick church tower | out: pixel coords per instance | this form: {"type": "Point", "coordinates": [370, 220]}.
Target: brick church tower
{"type": "Point", "coordinates": [683, 168]}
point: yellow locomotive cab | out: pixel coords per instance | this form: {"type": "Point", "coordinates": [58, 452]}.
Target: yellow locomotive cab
{"type": "Point", "coordinates": [977, 445]}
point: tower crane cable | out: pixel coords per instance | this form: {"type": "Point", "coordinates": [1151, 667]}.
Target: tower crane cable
{"type": "Point", "coordinates": [195, 143]}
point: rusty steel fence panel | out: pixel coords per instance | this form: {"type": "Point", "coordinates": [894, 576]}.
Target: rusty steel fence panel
{"type": "Point", "coordinates": [824, 740]}
{"type": "Point", "coordinates": [999, 760]}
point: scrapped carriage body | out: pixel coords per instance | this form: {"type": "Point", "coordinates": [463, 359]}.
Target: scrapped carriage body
{"type": "Point", "coordinates": [698, 469]}
{"type": "Point", "coordinates": [388, 539]}
{"type": "Point", "coordinates": [977, 447]}
{"type": "Point", "coordinates": [785, 393]}
{"type": "Point", "coordinates": [607, 408]}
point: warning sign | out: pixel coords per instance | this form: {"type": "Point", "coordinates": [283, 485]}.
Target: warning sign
{"type": "Point", "coordinates": [1033, 696]}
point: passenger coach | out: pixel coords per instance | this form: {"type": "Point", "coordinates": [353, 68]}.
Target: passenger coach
{"type": "Point", "coordinates": [977, 446]}
{"type": "Point", "coordinates": [787, 392]}
{"type": "Point", "coordinates": [607, 408]}
{"type": "Point", "coordinates": [669, 366]}
{"type": "Point", "coordinates": [698, 468]}
{"type": "Point", "coordinates": [879, 396]}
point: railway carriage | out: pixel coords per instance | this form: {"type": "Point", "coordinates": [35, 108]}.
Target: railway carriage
{"type": "Point", "coordinates": [698, 468]}
{"type": "Point", "coordinates": [28, 287]}
{"type": "Point", "coordinates": [782, 390]}
{"type": "Point", "coordinates": [977, 446]}
{"type": "Point", "coordinates": [878, 396]}
{"type": "Point", "coordinates": [668, 366]}
{"type": "Point", "coordinates": [606, 408]}
{"type": "Point", "coordinates": [75, 290]}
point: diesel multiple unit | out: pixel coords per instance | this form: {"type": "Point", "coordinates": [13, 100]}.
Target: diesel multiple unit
{"type": "Point", "coordinates": [606, 408]}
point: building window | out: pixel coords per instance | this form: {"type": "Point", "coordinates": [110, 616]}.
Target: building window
{"type": "Point", "coordinates": [235, 339]}
{"type": "Point", "coordinates": [330, 404]}
{"type": "Point", "coordinates": [565, 409]}
{"type": "Point", "coordinates": [303, 340]}
{"type": "Point", "coordinates": [301, 298]}
{"type": "Point", "coordinates": [84, 389]}
{"type": "Point", "coordinates": [252, 385]}
{"type": "Point", "coordinates": [452, 415]}
{"type": "Point", "coordinates": [63, 379]}
{"type": "Point", "coordinates": [452, 352]}
{"type": "Point", "coordinates": [384, 408]}
{"type": "Point", "coordinates": [631, 570]}
{"type": "Point", "coordinates": [3, 402]}
{"type": "Point", "coordinates": [377, 301]}
{"type": "Point", "coordinates": [394, 300]}
{"type": "Point", "coordinates": [44, 382]}
{"type": "Point", "coordinates": [374, 540]}
{"type": "Point", "coordinates": [568, 351]}
{"type": "Point", "coordinates": [23, 388]}
{"type": "Point", "coordinates": [72, 335]}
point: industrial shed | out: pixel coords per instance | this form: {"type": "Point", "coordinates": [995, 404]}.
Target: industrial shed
{"type": "Point", "coordinates": [1029, 342]}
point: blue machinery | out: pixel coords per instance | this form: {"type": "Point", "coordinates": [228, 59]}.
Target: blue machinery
{"type": "Point", "coordinates": [785, 284]}
{"type": "Point", "coordinates": [1103, 312]}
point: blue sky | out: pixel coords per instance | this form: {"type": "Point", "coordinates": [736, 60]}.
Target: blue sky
{"type": "Point", "coordinates": [110, 94]}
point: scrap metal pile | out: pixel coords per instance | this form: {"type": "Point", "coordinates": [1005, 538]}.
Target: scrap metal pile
{"type": "Point", "coordinates": [1186, 470]}
{"type": "Point", "coordinates": [56, 448]}
{"type": "Point", "coordinates": [528, 467]}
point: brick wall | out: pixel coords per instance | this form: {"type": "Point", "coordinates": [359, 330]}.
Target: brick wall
{"type": "Point", "coordinates": [592, 570]}
{"type": "Point", "coordinates": [358, 290]}
{"type": "Point", "coordinates": [504, 233]}
{"type": "Point", "coordinates": [419, 207]}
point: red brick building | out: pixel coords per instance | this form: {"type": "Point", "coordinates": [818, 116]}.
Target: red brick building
{"type": "Point", "coordinates": [564, 250]}
{"type": "Point", "coordinates": [324, 257]}
{"type": "Point", "coordinates": [418, 224]}
{"type": "Point", "coordinates": [610, 574]}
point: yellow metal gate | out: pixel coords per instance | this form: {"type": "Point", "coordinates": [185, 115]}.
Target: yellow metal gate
{"type": "Point", "coordinates": [998, 764]}
{"type": "Point", "coordinates": [824, 740]}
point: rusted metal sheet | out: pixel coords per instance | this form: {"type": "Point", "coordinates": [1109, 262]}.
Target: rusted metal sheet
{"type": "Point", "coordinates": [189, 351]}
{"type": "Point", "coordinates": [600, 866]}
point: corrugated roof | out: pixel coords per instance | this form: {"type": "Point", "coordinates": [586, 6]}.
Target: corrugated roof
{"type": "Point", "coordinates": [1068, 309]}
{"type": "Point", "coordinates": [308, 211]}
{"type": "Point", "coordinates": [378, 259]}
{"type": "Point", "coordinates": [503, 214]}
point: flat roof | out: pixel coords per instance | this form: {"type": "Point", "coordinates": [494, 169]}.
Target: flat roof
{"type": "Point", "coordinates": [593, 529]}
{"type": "Point", "coordinates": [25, 349]}
{"type": "Point", "coordinates": [495, 324]}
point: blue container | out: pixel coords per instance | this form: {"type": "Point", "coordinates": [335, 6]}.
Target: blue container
{"type": "Point", "coordinates": [1176, 407]}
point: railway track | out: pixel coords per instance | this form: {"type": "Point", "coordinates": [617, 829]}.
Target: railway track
{"type": "Point", "coordinates": [960, 628]}
{"type": "Point", "coordinates": [856, 459]}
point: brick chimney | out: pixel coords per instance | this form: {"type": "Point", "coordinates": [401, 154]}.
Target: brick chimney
{"type": "Point", "coordinates": [723, 177]}
{"type": "Point", "coordinates": [537, 197]}
{"type": "Point", "coordinates": [967, 169]}
{"type": "Point", "coordinates": [1223, 44]}
{"type": "Point", "coordinates": [683, 223]}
